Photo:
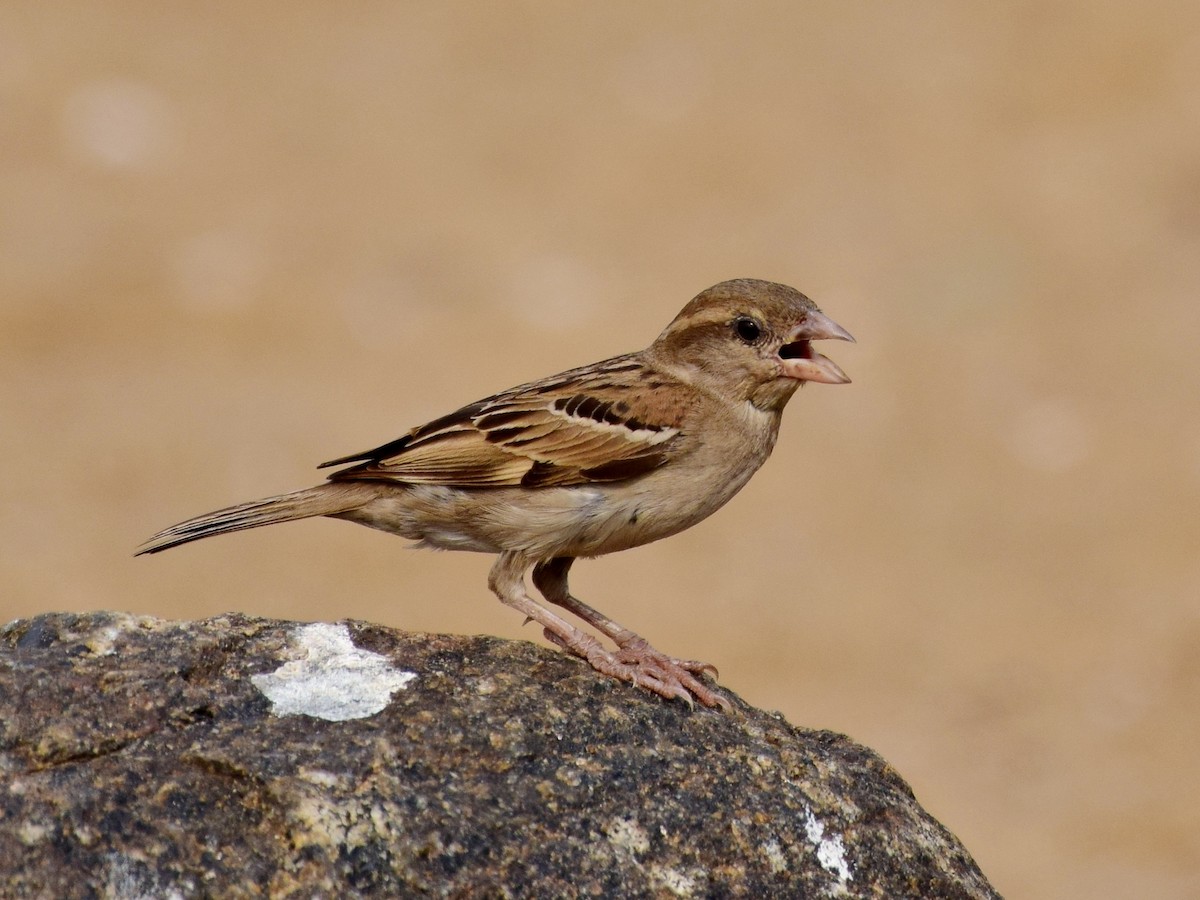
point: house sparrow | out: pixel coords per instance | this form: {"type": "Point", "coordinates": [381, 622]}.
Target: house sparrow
{"type": "Point", "coordinates": [593, 460]}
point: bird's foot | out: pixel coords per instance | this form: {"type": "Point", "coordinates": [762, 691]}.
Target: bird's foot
{"type": "Point", "coordinates": [640, 664]}
{"type": "Point", "coordinates": [637, 648]}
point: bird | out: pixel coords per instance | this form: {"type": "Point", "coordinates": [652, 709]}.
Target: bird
{"type": "Point", "coordinates": [588, 462]}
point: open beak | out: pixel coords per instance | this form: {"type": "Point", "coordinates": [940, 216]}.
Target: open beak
{"type": "Point", "coordinates": [802, 362]}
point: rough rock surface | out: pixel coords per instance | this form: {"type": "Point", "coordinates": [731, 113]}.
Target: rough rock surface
{"type": "Point", "coordinates": [241, 757]}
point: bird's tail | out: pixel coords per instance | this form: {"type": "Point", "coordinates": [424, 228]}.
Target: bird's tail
{"type": "Point", "coordinates": [322, 500]}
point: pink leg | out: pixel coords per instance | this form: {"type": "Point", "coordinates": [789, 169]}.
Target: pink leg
{"type": "Point", "coordinates": [650, 670]}
{"type": "Point", "coordinates": [636, 657]}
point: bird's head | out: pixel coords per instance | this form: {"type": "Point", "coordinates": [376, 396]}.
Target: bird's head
{"type": "Point", "coordinates": [751, 340]}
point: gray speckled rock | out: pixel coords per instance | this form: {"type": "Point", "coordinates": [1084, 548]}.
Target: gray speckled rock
{"type": "Point", "coordinates": [246, 757]}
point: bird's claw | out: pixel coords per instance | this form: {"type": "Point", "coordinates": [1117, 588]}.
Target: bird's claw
{"type": "Point", "coordinates": [637, 648]}
{"type": "Point", "coordinates": [640, 664]}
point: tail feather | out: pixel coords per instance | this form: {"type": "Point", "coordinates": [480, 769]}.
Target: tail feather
{"type": "Point", "coordinates": [322, 500]}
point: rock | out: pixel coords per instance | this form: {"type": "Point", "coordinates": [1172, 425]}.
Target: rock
{"type": "Point", "coordinates": [240, 757]}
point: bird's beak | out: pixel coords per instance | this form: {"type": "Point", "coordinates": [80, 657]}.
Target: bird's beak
{"type": "Point", "coordinates": [803, 363]}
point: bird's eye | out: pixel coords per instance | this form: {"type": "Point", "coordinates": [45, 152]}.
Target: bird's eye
{"type": "Point", "coordinates": [747, 329]}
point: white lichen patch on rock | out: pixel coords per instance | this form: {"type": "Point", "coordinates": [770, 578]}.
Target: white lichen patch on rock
{"type": "Point", "coordinates": [332, 679]}
{"type": "Point", "coordinates": [674, 881]}
{"type": "Point", "coordinates": [831, 852]}
{"type": "Point", "coordinates": [775, 858]}
{"type": "Point", "coordinates": [628, 834]}
{"type": "Point", "coordinates": [129, 878]}
{"type": "Point", "coordinates": [318, 777]}
{"type": "Point", "coordinates": [30, 833]}
{"type": "Point", "coordinates": [103, 641]}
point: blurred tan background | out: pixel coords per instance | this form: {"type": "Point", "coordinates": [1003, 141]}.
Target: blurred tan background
{"type": "Point", "coordinates": [240, 239]}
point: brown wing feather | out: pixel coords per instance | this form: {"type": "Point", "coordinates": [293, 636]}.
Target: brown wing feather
{"type": "Point", "coordinates": [573, 428]}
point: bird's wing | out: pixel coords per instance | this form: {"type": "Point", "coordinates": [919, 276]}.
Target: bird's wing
{"type": "Point", "coordinates": [601, 423]}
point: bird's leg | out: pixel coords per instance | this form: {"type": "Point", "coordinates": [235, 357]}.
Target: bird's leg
{"type": "Point", "coordinates": [507, 581]}
{"type": "Point", "coordinates": [550, 578]}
